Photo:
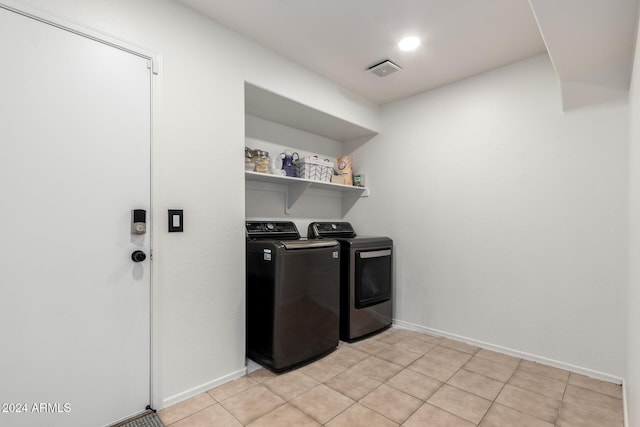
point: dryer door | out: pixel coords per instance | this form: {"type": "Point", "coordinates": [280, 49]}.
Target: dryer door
{"type": "Point", "coordinates": [372, 277]}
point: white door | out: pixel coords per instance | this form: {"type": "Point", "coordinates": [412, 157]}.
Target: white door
{"type": "Point", "coordinates": [74, 162]}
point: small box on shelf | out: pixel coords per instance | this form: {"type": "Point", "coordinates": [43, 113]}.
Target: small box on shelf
{"type": "Point", "coordinates": [340, 179]}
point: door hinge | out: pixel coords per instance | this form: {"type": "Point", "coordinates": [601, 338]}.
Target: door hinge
{"type": "Point", "coordinates": [153, 66]}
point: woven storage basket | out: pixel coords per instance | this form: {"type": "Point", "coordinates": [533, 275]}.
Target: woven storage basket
{"type": "Point", "coordinates": [314, 169]}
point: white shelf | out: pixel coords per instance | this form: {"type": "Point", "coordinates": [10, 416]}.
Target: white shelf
{"type": "Point", "coordinates": [267, 105]}
{"type": "Point", "coordinates": [296, 187]}
{"type": "Point", "coordinates": [270, 106]}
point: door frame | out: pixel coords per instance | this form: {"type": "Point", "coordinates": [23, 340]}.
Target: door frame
{"type": "Point", "coordinates": [154, 63]}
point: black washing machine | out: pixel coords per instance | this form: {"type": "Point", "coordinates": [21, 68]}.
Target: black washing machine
{"type": "Point", "coordinates": [366, 305]}
{"type": "Point", "coordinates": [293, 295]}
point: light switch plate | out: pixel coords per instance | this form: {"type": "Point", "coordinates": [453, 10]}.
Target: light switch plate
{"type": "Point", "coordinates": [176, 221]}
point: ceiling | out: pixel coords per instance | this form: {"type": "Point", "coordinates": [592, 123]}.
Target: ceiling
{"type": "Point", "coordinates": [340, 39]}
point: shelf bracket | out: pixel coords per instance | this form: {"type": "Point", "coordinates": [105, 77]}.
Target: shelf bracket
{"type": "Point", "coordinates": [294, 192]}
{"type": "Point", "coordinates": [349, 200]}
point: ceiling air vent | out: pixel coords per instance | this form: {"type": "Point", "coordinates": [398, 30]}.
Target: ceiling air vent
{"type": "Point", "coordinates": [384, 68]}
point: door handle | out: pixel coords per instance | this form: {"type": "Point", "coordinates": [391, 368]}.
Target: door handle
{"type": "Point", "coordinates": [138, 256]}
{"type": "Point", "coordinates": [375, 254]}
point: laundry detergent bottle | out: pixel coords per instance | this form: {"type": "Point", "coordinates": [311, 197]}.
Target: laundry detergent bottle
{"type": "Point", "coordinates": [287, 163]}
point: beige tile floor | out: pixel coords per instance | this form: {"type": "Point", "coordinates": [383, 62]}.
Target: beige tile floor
{"type": "Point", "coordinates": [401, 377]}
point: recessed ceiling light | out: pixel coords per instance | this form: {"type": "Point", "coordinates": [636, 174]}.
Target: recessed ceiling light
{"type": "Point", "coordinates": [409, 43]}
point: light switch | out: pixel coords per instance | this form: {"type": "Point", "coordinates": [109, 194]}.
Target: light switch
{"type": "Point", "coordinates": [176, 221]}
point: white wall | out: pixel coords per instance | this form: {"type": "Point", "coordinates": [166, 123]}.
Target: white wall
{"type": "Point", "coordinates": [198, 145]}
{"type": "Point", "coordinates": [632, 378]}
{"type": "Point", "coordinates": [508, 216]}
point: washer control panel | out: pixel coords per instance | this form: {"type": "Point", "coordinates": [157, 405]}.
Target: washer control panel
{"type": "Point", "coordinates": [330, 229]}
{"type": "Point", "coordinates": [272, 230]}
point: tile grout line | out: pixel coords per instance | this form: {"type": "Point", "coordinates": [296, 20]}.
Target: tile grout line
{"type": "Point", "coordinates": [501, 388]}
{"type": "Point", "coordinates": [447, 383]}
{"type": "Point", "coordinates": [564, 392]}
{"type": "Point", "coordinates": [197, 412]}
{"type": "Point", "coordinates": [385, 383]}
{"type": "Point", "coordinates": [391, 386]}
{"type": "Point", "coordinates": [561, 401]}
{"type": "Point", "coordinates": [596, 412]}
{"type": "Point", "coordinates": [215, 402]}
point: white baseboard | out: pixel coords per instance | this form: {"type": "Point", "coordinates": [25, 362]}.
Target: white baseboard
{"type": "Point", "coordinates": [624, 404]}
{"type": "Point", "coordinates": [516, 353]}
{"type": "Point", "coordinates": [187, 394]}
